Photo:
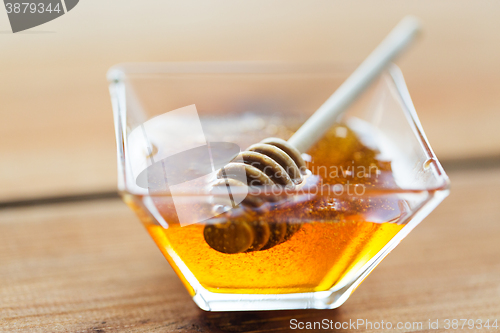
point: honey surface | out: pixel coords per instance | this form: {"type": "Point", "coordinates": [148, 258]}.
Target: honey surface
{"type": "Point", "coordinates": [335, 236]}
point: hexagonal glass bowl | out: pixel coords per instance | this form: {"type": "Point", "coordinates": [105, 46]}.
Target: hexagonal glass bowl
{"type": "Point", "coordinates": [317, 242]}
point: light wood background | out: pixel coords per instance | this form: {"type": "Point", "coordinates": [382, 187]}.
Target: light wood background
{"type": "Point", "coordinates": [86, 266]}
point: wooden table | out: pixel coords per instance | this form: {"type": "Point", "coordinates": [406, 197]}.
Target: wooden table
{"type": "Point", "coordinates": [90, 267]}
{"type": "Point", "coordinates": [74, 258]}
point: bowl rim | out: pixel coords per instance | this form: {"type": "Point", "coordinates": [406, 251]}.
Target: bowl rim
{"type": "Point", "coordinates": [117, 76]}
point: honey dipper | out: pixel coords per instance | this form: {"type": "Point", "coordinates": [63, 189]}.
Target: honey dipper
{"type": "Point", "coordinates": [278, 162]}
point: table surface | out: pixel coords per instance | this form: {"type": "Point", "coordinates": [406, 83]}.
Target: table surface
{"type": "Point", "coordinates": [90, 266]}
{"type": "Point", "coordinates": [74, 258]}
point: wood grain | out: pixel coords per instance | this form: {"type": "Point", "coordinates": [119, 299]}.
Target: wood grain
{"type": "Point", "coordinates": [56, 132]}
{"type": "Point", "coordinates": [89, 267]}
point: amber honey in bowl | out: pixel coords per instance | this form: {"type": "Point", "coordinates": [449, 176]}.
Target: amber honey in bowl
{"type": "Point", "coordinates": [293, 246]}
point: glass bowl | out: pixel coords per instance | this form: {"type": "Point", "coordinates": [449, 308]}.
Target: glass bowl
{"type": "Point", "coordinates": [370, 181]}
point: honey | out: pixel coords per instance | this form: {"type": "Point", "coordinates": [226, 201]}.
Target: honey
{"type": "Point", "coordinates": [329, 237]}
{"type": "Point", "coordinates": [316, 258]}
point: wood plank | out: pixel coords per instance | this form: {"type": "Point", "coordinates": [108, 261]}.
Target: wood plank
{"type": "Point", "coordinates": [89, 267]}
{"type": "Point", "coordinates": [56, 133]}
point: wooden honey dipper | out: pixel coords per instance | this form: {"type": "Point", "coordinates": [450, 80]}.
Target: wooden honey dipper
{"type": "Point", "coordinates": [273, 161]}
{"type": "Point", "coordinates": [278, 162]}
